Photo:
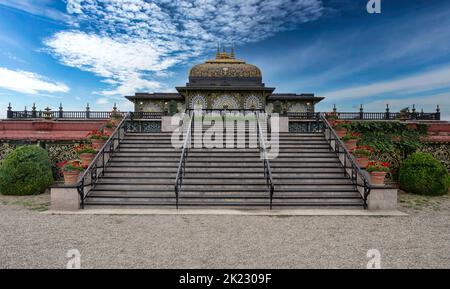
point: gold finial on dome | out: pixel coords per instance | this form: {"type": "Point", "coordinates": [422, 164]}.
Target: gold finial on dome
{"type": "Point", "coordinates": [232, 52]}
{"type": "Point", "coordinates": [224, 53]}
{"type": "Point", "coordinates": [218, 52]}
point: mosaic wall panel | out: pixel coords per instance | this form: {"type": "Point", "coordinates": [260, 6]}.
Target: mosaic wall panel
{"type": "Point", "coordinates": [441, 151]}
{"type": "Point", "coordinates": [232, 99]}
{"type": "Point", "coordinates": [143, 126]}
{"type": "Point", "coordinates": [253, 102]}
{"type": "Point", "coordinates": [57, 153]}
{"type": "Point", "coordinates": [305, 127]}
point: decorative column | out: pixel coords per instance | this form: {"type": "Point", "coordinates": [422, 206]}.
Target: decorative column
{"type": "Point", "coordinates": [9, 113]}
{"type": "Point", "coordinates": [361, 112]}
{"type": "Point", "coordinates": [438, 113]}
{"type": "Point", "coordinates": [33, 110]}
{"type": "Point", "coordinates": [88, 109]}
{"type": "Point", "coordinates": [387, 115]}
{"type": "Point", "coordinates": [413, 112]}
{"type": "Point", "coordinates": [60, 112]}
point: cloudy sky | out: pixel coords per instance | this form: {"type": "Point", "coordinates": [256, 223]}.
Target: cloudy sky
{"type": "Point", "coordinates": [97, 51]}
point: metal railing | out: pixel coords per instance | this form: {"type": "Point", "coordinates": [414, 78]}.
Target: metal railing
{"type": "Point", "coordinates": [62, 114]}
{"type": "Point", "coordinates": [146, 115]}
{"type": "Point", "coordinates": [97, 167]}
{"type": "Point", "coordinates": [303, 115]}
{"type": "Point", "coordinates": [181, 171]}
{"type": "Point", "coordinates": [100, 115]}
{"type": "Point", "coordinates": [351, 169]}
{"type": "Point", "coordinates": [264, 156]}
{"type": "Point", "coordinates": [387, 116]}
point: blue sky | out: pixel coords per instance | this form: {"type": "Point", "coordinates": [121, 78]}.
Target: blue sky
{"type": "Point", "coordinates": [92, 51]}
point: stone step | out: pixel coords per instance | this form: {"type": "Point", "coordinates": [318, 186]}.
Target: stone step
{"type": "Point", "coordinates": [223, 153]}
{"type": "Point", "coordinates": [207, 194]}
{"type": "Point", "coordinates": [169, 146]}
{"type": "Point", "coordinates": [225, 182]}
{"type": "Point", "coordinates": [223, 187]}
{"type": "Point", "coordinates": [288, 172]}
{"type": "Point", "coordinates": [220, 174]}
{"type": "Point", "coordinates": [262, 200]}
{"type": "Point", "coordinates": [247, 206]}
{"type": "Point", "coordinates": [195, 164]}
{"type": "Point", "coordinates": [218, 159]}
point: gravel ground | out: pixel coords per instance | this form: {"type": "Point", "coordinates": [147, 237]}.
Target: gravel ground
{"type": "Point", "coordinates": [29, 239]}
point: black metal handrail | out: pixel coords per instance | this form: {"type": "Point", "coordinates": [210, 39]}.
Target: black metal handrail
{"type": "Point", "coordinates": [146, 115]}
{"type": "Point", "coordinates": [62, 114]}
{"type": "Point", "coordinates": [264, 156]}
{"type": "Point", "coordinates": [91, 174]}
{"type": "Point", "coordinates": [181, 171]}
{"type": "Point", "coordinates": [303, 115]}
{"type": "Point", "coordinates": [357, 174]}
{"type": "Point", "coordinates": [387, 115]}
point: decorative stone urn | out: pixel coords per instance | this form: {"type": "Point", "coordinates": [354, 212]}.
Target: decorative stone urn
{"type": "Point", "coordinates": [97, 144]}
{"type": "Point", "coordinates": [377, 178]}
{"type": "Point", "coordinates": [340, 132]}
{"type": "Point", "coordinates": [86, 159]}
{"type": "Point", "coordinates": [362, 162]}
{"type": "Point", "coordinates": [71, 177]}
{"type": "Point", "coordinates": [109, 130]}
{"type": "Point", "coordinates": [351, 144]}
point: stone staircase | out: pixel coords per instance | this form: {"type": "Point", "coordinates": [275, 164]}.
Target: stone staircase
{"type": "Point", "coordinates": [142, 174]}
{"type": "Point", "coordinates": [308, 174]}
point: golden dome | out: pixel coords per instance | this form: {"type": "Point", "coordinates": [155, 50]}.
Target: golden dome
{"type": "Point", "coordinates": [225, 66]}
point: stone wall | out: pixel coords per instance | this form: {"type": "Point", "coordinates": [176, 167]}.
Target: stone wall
{"type": "Point", "coordinates": [57, 152]}
{"type": "Point", "coordinates": [441, 151]}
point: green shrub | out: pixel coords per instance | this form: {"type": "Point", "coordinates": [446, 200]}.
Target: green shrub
{"type": "Point", "coordinates": [422, 174]}
{"type": "Point", "coordinates": [26, 171]}
{"type": "Point", "coordinates": [173, 109]}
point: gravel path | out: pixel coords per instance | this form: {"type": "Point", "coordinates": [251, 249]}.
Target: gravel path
{"type": "Point", "coordinates": [29, 239]}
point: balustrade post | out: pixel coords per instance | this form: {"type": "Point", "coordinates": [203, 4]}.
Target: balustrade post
{"type": "Point", "coordinates": [438, 113]}
{"type": "Point", "coordinates": [33, 110]}
{"type": "Point", "coordinates": [60, 113]}
{"type": "Point", "coordinates": [9, 113]}
{"type": "Point", "coordinates": [387, 116]}
{"type": "Point", "coordinates": [361, 112]}
{"type": "Point", "coordinates": [413, 112]}
{"type": "Point", "coordinates": [88, 112]}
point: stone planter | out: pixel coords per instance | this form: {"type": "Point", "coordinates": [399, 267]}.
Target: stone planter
{"type": "Point", "coordinates": [97, 144]}
{"type": "Point", "coordinates": [109, 130]}
{"type": "Point", "coordinates": [115, 121]}
{"type": "Point", "coordinates": [351, 144]}
{"type": "Point", "coordinates": [71, 178]}
{"type": "Point", "coordinates": [377, 178]}
{"type": "Point", "coordinates": [341, 132]}
{"type": "Point", "coordinates": [86, 159]}
{"type": "Point", "coordinates": [362, 162]}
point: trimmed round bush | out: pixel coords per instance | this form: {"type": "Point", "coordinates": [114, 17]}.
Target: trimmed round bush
{"type": "Point", "coordinates": [423, 174]}
{"type": "Point", "coordinates": [26, 171]}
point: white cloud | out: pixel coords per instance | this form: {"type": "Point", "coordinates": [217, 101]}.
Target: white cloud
{"type": "Point", "coordinates": [429, 80]}
{"type": "Point", "coordinates": [29, 82]}
{"type": "Point", "coordinates": [122, 62]}
{"type": "Point", "coordinates": [102, 100]}
{"type": "Point", "coordinates": [132, 43]}
{"type": "Point", "coordinates": [39, 8]}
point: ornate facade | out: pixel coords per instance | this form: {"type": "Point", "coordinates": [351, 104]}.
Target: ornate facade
{"type": "Point", "coordinates": [225, 83]}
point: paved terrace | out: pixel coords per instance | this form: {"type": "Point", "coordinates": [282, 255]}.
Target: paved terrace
{"type": "Point", "coordinates": [29, 238]}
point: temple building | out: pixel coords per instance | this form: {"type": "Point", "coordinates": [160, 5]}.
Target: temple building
{"type": "Point", "coordinates": [225, 83]}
